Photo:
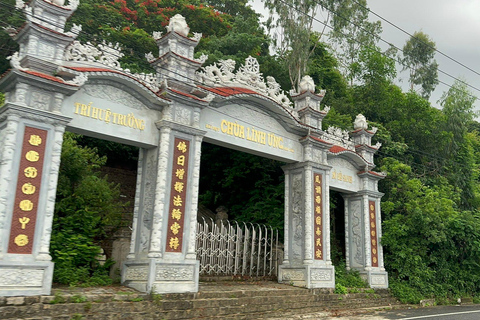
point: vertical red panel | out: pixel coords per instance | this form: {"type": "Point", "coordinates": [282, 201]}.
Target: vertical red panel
{"type": "Point", "coordinates": [373, 233]}
{"type": "Point", "coordinates": [176, 213]}
{"type": "Point", "coordinates": [318, 216]}
{"type": "Point", "coordinates": [27, 191]}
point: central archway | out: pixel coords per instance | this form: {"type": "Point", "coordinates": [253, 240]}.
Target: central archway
{"type": "Point", "coordinates": [168, 114]}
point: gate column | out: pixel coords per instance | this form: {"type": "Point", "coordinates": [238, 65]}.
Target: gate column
{"type": "Point", "coordinates": [31, 136]}
{"type": "Point", "coordinates": [307, 261]}
{"type": "Point", "coordinates": [162, 256]}
{"type": "Point", "coordinates": [363, 229]}
{"type": "Point", "coordinates": [363, 234]}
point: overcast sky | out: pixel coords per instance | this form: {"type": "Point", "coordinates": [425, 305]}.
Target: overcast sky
{"type": "Point", "coordinates": [453, 25]}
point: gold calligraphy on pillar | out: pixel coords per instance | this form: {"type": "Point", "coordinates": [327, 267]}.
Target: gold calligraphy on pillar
{"type": "Point", "coordinates": [318, 216]}
{"type": "Point", "coordinates": [27, 194]}
{"type": "Point", "coordinates": [373, 232]}
{"type": "Point", "coordinates": [178, 195]}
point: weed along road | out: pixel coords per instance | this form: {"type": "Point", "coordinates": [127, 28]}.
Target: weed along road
{"type": "Point", "coordinates": [465, 312]}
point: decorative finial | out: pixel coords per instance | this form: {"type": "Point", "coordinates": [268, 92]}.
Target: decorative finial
{"type": "Point", "coordinates": [306, 84]}
{"type": "Point", "coordinates": [360, 122]}
{"type": "Point", "coordinates": [58, 2]}
{"type": "Point", "coordinates": [179, 25]}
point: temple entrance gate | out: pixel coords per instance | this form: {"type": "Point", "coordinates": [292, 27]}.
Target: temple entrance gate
{"type": "Point", "coordinates": [59, 84]}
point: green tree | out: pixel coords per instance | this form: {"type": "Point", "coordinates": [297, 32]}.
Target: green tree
{"type": "Point", "coordinates": [131, 23]}
{"type": "Point", "coordinates": [11, 18]}
{"type": "Point", "coordinates": [418, 57]}
{"type": "Point", "coordinates": [324, 70]}
{"type": "Point", "coordinates": [431, 248]}
{"type": "Point", "coordinates": [458, 108]}
{"type": "Point", "coordinates": [251, 187]}
{"type": "Point", "coordinates": [86, 207]}
{"type": "Point", "coordinates": [353, 35]}
{"type": "Point", "coordinates": [294, 23]}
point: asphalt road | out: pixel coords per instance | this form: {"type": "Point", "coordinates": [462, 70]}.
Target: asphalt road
{"type": "Point", "coordinates": [469, 312]}
{"type": "Point", "coordinates": [465, 312]}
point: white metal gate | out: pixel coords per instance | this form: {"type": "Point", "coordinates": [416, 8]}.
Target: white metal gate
{"type": "Point", "coordinates": [236, 248]}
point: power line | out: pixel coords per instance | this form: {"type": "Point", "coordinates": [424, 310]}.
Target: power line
{"type": "Point", "coordinates": [375, 49]}
{"type": "Point", "coordinates": [315, 19]}
{"type": "Point", "coordinates": [248, 103]}
{"type": "Point", "coordinates": [412, 36]}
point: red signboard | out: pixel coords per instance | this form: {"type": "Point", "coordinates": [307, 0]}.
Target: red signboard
{"type": "Point", "coordinates": [27, 192]}
{"type": "Point", "coordinates": [178, 195]}
{"type": "Point", "coordinates": [318, 215]}
{"type": "Point", "coordinates": [373, 233]}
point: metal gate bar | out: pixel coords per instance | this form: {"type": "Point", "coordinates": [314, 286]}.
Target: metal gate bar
{"type": "Point", "coordinates": [236, 248]}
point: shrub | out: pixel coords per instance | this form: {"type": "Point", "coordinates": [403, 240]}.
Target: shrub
{"type": "Point", "coordinates": [87, 205]}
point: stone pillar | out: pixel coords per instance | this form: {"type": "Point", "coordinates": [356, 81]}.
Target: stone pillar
{"type": "Point", "coordinates": [162, 257]}
{"type": "Point", "coordinates": [307, 227]}
{"type": "Point", "coordinates": [30, 152]}
{"type": "Point", "coordinates": [363, 237]}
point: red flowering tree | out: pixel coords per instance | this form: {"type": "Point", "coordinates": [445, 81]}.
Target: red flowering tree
{"type": "Point", "coordinates": [131, 23]}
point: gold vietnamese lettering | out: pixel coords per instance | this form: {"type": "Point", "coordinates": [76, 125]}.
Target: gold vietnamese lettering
{"type": "Point", "coordinates": [21, 240]}
{"type": "Point", "coordinates": [179, 173]}
{"type": "Point", "coordinates": [23, 221]}
{"type": "Point", "coordinates": [26, 205]}
{"type": "Point", "coordinates": [177, 201]}
{"type": "Point", "coordinates": [342, 177]}
{"type": "Point", "coordinates": [32, 156]}
{"type": "Point", "coordinates": [30, 172]}
{"type": "Point", "coordinates": [251, 134]}
{"type": "Point", "coordinates": [28, 188]}
{"type": "Point", "coordinates": [176, 214]}
{"type": "Point", "coordinates": [175, 227]}
{"type": "Point", "coordinates": [35, 140]}
{"type": "Point", "coordinates": [106, 115]}
{"type": "Point", "coordinates": [178, 186]}
{"type": "Point", "coordinates": [174, 243]}
{"type": "Point", "coordinates": [181, 160]}
{"type": "Point", "coordinates": [182, 146]}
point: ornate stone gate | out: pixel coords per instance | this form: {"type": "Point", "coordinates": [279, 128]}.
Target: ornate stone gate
{"type": "Point", "coordinates": [58, 84]}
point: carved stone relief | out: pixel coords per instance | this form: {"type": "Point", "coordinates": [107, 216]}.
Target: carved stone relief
{"type": "Point", "coordinates": [174, 273]}
{"type": "Point", "coordinates": [40, 100]}
{"type": "Point", "coordinates": [297, 217]}
{"type": "Point", "coordinates": [377, 280]}
{"type": "Point", "coordinates": [292, 275]}
{"type": "Point", "coordinates": [113, 94]}
{"type": "Point", "coordinates": [317, 156]}
{"type": "Point", "coordinates": [149, 197]}
{"type": "Point", "coordinates": [136, 274]}
{"type": "Point", "coordinates": [183, 115]}
{"type": "Point", "coordinates": [321, 275]}
{"type": "Point", "coordinates": [21, 277]}
{"type": "Point", "coordinates": [355, 213]}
